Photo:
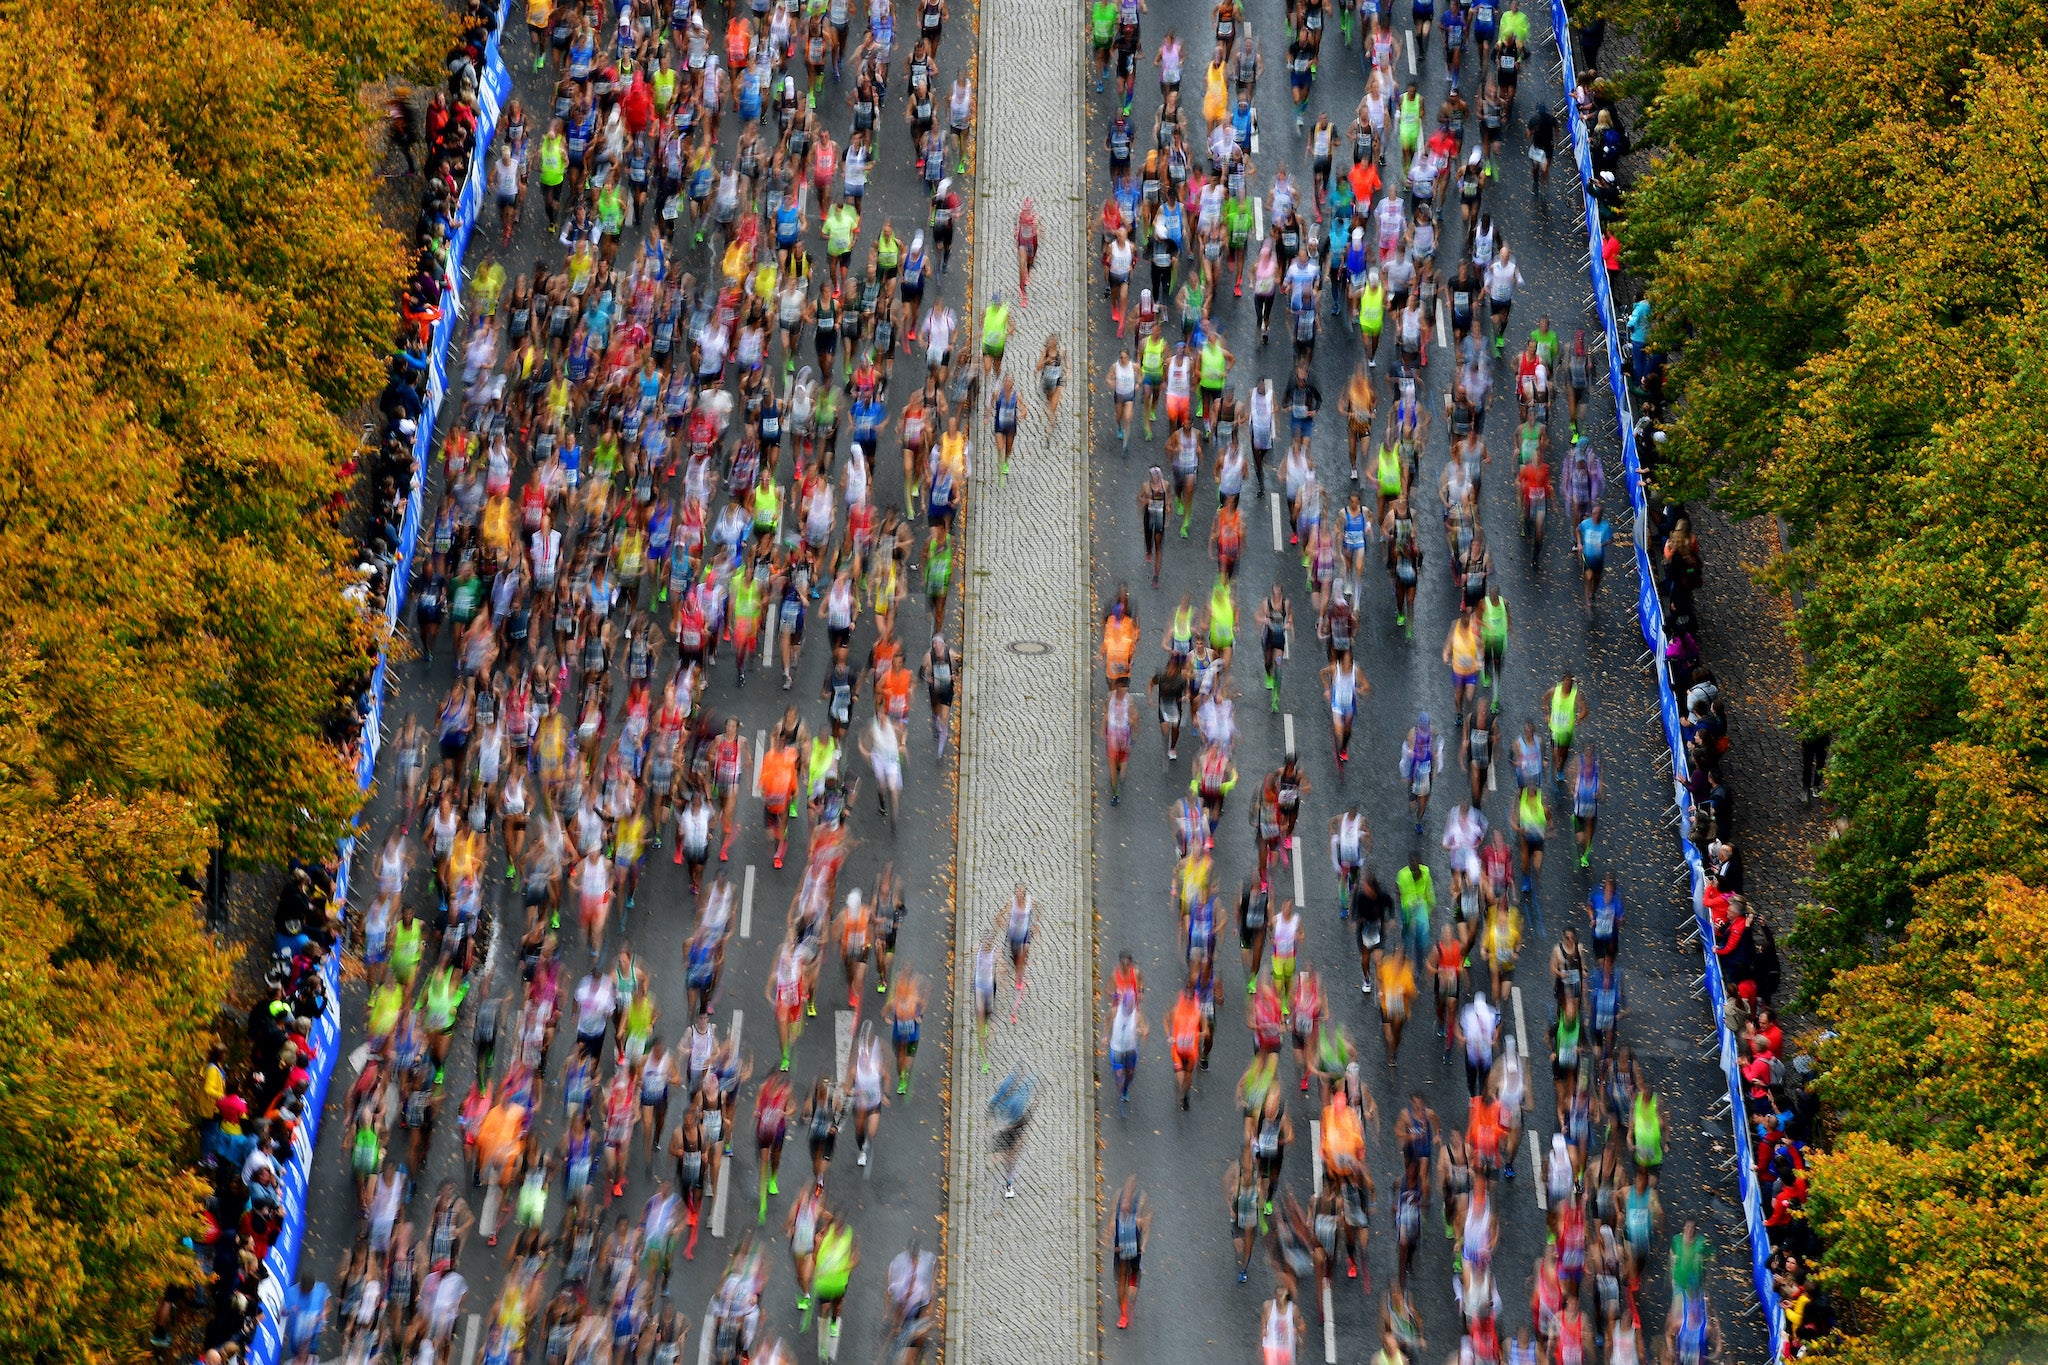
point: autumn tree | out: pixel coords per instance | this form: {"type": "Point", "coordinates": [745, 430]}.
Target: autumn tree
{"type": "Point", "coordinates": [1932, 1198]}
{"type": "Point", "coordinates": [1869, 367]}
{"type": "Point", "coordinates": [107, 989]}
{"type": "Point", "coordinates": [1841, 241]}
{"type": "Point", "coordinates": [195, 298]}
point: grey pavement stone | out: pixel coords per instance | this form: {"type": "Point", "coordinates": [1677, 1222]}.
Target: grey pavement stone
{"type": "Point", "coordinates": [1021, 1273]}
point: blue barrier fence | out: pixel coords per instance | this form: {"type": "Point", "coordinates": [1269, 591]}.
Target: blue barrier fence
{"type": "Point", "coordinates": [1650, 617]}
{"type": "Point", "coordinates": [494, 86]}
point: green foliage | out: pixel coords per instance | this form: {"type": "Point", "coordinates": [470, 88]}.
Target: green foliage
{"type": "Point", "coordinates": [365, 40]}
{"type": "Point", "coordinates": [1933, 1198]}
{"type": "Point", "coordinates": [1842, 241]}
{"type": "Point", "coordinates": [1869, 367]}
{"type": "Point", "coordinates": [1663, 32]}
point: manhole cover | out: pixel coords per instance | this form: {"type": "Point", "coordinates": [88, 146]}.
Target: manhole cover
{"type": "Point", "coordinates": [1028, 647]}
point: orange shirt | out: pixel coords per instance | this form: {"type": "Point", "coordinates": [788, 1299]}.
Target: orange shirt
{"type": "Point", "coordinates": [1184, 1025]}
{"type": "Point", "coordinates": [1365, 183]}
{"type": "Point", "coordinates": [1229, 529]}
{"type": "Point", "coordinates": [1343, 1137]}
{"type": "Point", "coordinates": [497, 1138]}
{"type": "Point", "coordinates": [778, 775]}
{"type": "Point", "coordinates": [882, 657]}
{"type": "Point", "coordinates": [1119, 643]}
{"type": "Point", "coordinates": [895, 689]}
{"type": "Point", "coordinates": [1483, 1129]}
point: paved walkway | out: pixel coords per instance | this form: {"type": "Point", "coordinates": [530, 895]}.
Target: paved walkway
{"type": "Point", "coordinates": [1021, 1273]}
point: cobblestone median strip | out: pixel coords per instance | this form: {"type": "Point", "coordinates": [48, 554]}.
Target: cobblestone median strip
{"type": "Point", "coordinates": [1021, 1275]}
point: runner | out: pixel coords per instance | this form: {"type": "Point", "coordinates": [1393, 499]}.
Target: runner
{"type": "Point", "coordinates": [1129, 1228]}
{"type": "Point", "coordinates": [1344, 685]}
{"type": "Point", "coordinates": [1566, 708]}
{"type": "Point", "coordinates": [1125, 1027]}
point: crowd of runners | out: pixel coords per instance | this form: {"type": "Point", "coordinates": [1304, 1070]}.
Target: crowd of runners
{"type": "Point", "coordinates": [667, 461]}
{"type": "Point", "coordinates": [1363, 234]}
{"type": "Point", "coordinates": [666, 465]}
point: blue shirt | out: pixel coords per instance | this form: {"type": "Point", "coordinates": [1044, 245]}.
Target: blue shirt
{"type": "Point", "coordinates": [1639, 323]}
{"type": "Point", "coordinates": [867, 421]}
{"type": "Point", "coordinates": [1593, 538]}
{"type": "Point", "coordinates": [305, 1311]}
{"type": "Point", "coordinates": [1127, 191]}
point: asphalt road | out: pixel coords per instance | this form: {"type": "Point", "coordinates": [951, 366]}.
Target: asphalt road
{"type": "Point", "coordinates": [901, 1195]}
{"type": "Point", "coordinates": [1190, 1306]}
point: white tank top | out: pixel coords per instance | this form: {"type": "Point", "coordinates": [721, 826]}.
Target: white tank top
{"type": "Point", "coordinates": [1124, 379]}
{"type": "Point", "coordinates": [1279, 1331]}
{"type": "Point", "coordinates": [1349, 827]}
{"type": "Point", "coordinates": [391, 870]}
{"type": "Point", "coordinates": [867, 1074]}
{"type": "Point", "coordinates": [1230, 477]}
{"type": "Point", "coordinates": [1286, 933]}
{"type": "Point", "coordinates": [1123, 1028]}
{"type": "Point", "coordinates": [882, 743]}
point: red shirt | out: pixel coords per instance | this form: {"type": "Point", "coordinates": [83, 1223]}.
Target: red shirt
{"type": "Point", "coordinates": [1112, 218]}
{"type": "Point", "coordinates": [638, 106]}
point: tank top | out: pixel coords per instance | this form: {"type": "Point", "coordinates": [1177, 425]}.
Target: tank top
{"type": "Point", "coordinates": [1277, 1337]}
{"type": "Point", "coordinates": [1127, 1230]}
{"type": "Point", "coordinates": [1649, 1129]}
{"type": "Point", "coordinates": [1349, 844]}
{"type": "Point", "coordinates": [1344, 687]}
{"type": "Point", "coordinates": [1464, 649]}
{"type": "Point", "coordinates": [1563, 710]}
{"type": "Point", "coordinates": [1286, 935]}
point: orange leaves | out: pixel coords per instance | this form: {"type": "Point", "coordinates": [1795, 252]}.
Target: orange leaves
{"type": "Point", "coordinates": [193, 289]}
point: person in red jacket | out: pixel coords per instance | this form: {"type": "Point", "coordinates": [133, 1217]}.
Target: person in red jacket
{"type": "Point", "coordinates": [637, 105]}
